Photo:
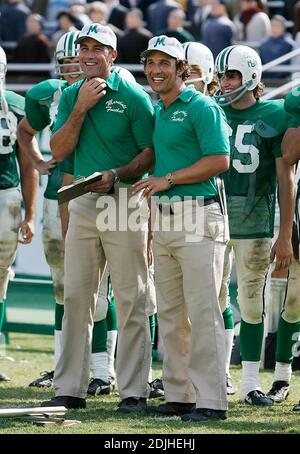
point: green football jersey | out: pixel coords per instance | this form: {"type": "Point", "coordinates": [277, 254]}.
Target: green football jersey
{"type": "Point", "coordinates": [9, 177]}
{"type": "Point", "coordinates": [250, 183]}
{"type": "Point", "coordinates": [41, 105]}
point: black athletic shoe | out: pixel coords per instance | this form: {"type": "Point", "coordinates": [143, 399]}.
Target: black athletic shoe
{"type": "Point", "coordinates": [156, 389]}
{"type": "Point", "coordinates": [171, 409]}
{"type": "Point", "coordinates": [98, 386]}
{"type": "Point", "coordinates": [296, 407]}
{"type": "Point", "coordinates": [132, 405]}
{"type": "Point", "coordinates": [230, 388]}
{"type": "Point", "coordinates": [204, 414]}
{"type": "Point", "coordinates": [45, 380]}
{"type": "Point", "coordinates": [4, 377]}
{"type": "Point", "coordinates": [258, 398]}
{"type": "Point", "coordinates": [69, 402]}
{"type": "Point", "coordinates": [279, 391]}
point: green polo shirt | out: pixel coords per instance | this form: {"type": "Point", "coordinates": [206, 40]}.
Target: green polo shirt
{"type": "Point", "coordinates": [114, 131]}
{"type": "Point", "coordinates": [192, 127]}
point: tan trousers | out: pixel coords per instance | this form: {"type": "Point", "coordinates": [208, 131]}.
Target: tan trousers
{"type": "Point", "coordinates": [10, 222]}
{"type": "Point", "coordinates": [125, 251]}
{"type": "Point", "coordinates": [252, 263]}
{"type": "Point", "coordinates": [188, 278]}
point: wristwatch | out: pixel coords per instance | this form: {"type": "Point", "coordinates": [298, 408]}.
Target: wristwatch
{"type": "Point", "coordinates": [116, 177]}
{"type": "Point", "coordinates": [170, 180]}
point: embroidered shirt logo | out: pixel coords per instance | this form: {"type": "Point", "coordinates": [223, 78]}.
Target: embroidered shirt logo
{"type": "Point", "coordinates": [179, 115]}
{"type": "Point", "coordinates": [115, 106]}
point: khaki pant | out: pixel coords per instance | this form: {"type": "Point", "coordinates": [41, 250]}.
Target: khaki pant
{"type": "Point", "coordinates": [10, 222]}
{"type": "Point", "coordinates": [85, 252]}
{"type": "Point", "coordinates": [188, 279]}
{"type": "Point", "coordinates": [252, 263]}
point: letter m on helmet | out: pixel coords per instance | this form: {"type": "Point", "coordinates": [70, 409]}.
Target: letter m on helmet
{"type": "Point", "coordinates": [160, 41]}
{"type": "Point", "coordinates": [92, 29]}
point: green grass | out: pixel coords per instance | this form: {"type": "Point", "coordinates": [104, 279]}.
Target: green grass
{"type": "Point", "coordinates": [33, 354]}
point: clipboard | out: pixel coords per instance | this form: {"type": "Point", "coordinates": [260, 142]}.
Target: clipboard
{"type": "Point", "coordinates": [76, 189]}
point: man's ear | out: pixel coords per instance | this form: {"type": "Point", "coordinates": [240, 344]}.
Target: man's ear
{"type": "Point", "coordinates": [114, 54]}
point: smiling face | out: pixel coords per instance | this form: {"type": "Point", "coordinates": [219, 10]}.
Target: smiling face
{"type": "Point", "coordinates": [162, 74]}
{"type": "Point", "coordinates": [72, 66]}
{"type": "Point", "coordinates": [95, 58]}
{"type": "Point", "coordinates": [230, 80]}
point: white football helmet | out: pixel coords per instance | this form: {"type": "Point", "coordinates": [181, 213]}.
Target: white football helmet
{"type": "Point", "coordinates": [242, 59]}
{"type": "Point", "coordinates": [3, 65]}
{"type": "Point", "coordinates": [199, 55]}
{"type": "Point", "coordinates": [66, 48]}
{"type": "Point", "coordinates": [124, 73]}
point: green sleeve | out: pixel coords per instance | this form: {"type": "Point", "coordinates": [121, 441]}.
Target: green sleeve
{"type": "Point", "coordinates": [37, 114]}
{"type": "Point", "coordinates": [212, 131]}
{"type": "Point", "coordinates": [63, 112]}
{"type": "Point", "coordinates": [142, 121]}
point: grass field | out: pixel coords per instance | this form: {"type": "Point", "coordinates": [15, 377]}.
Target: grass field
{"type": "Point", "coordinates": [32, 354]}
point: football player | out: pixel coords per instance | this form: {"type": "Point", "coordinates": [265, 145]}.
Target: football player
{"type": "Point", "coordinates": [256, 129]}
{"type": "Point", "coordinates": [11, 155]}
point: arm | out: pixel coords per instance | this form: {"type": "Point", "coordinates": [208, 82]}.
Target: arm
{"type": "Point", "coordinates": [141, 164]}
{"type": "Point", "coordinates": [290, 145]}
{"type": "Point", "coordinates": [26, 139]}
{"type": "Point", "coordinates": [65, 139]}
{"type": "Point", "coordinates": [29, 185]}
{"type": "Point", "coordinates": [282, 249]}
{"type": "Point", "coordinates": [202, 170]}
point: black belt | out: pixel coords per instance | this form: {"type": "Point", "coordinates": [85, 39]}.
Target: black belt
{"type": "Point", "coordinates": [167, 209]}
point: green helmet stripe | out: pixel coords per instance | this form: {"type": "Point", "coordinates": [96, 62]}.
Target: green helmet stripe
{"type": "Point", "coordinates": [70, 44]}
{"type": "Point", "coordinates": [224, 58]}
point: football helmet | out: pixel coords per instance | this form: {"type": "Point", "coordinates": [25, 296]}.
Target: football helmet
{"type": "Point", "coordinates": [124, 73]}
{"type": "Point", "coordinates": [66, 48]}
{"type": "Point", "coordinates": [199, 55]}
{"type": "Point", "coordinates": [3, 65]}
{"type": "Point", "coordinates": [247, 62]}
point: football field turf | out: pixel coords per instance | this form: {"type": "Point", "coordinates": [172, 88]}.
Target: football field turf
{"type": "Point", "coordinates": [27, 355]}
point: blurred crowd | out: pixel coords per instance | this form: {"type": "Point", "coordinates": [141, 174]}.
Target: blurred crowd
{"type": "Point", "coordinates": [30, 29]}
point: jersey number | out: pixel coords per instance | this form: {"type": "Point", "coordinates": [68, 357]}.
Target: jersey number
{"type": "Point", "coordinates": [6, 143]}
{"type": "Point", "coordinates": [242, 148]}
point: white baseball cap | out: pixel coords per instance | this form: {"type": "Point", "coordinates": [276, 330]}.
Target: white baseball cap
{"type": "Point", "coordinates": [170, 46]}
{"type": "Point", "coordinates": [101, 33]}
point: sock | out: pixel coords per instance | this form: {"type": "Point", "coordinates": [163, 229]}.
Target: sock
{"type": "Point", "coordinates": [2, 313]}
{"type": "Point", "coordinates": [250, 381]}
{"type": "Point", "coordinates": [99, 365]}
{"type": "Point", "coordinates": [251, 339]}
{"type": "Point", "coordinates": [59, 313]}
{"type": "Point", "coordinates": [229, 335]}
{"type": "Point", "coordinates": [57, 346]}
{"type": "Point", "coordinates": [111, 348]}
{"type": "Point", "coordinates": [286, 338]}
{"type": "Point", "coordinates": [99, 337]}
{"type": "Point", "coordinates": [111, 315]}
{"type": "Point", "coordinates": [283, 372]}
{"type": "Point", "coordinates": [152, 322]}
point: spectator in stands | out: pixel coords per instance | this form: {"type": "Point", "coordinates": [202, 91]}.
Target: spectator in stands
{"type": "Point", "coordinates": [67, 22]}
{"type": "Point", "coordinates": [116, 13]}
{"type": "Point", "coordinates": [158, 13]}
{"type": "Point", "coordinates": [78, 8]}
{"type": "Point", "coordinates": [219, 30]}
{"type": "Point", "coordinates": [13, 20]}
{"type": "Point", "coordinates": [98, 12]}
{"type": "Point", "coordinates": [253, 24]}
{"type": "Point", "coordinates": [175, 20]}
{"type": "Point", "coordinates": [140, 4]}
{"type": "Point", "coordinates": [278, 44]}
{"type": "Point", "coordinates": [34, 47]}
{"type": "Point", "coordinates": [135, 38]}
{"type": "Point", "coordinates": [200, 15]}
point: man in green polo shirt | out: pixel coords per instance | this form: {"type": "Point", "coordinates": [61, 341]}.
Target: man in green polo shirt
{"type": "Point", "coordinates": [191, 147]}
{"type": "Point", "coordinates": [105, 124]}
